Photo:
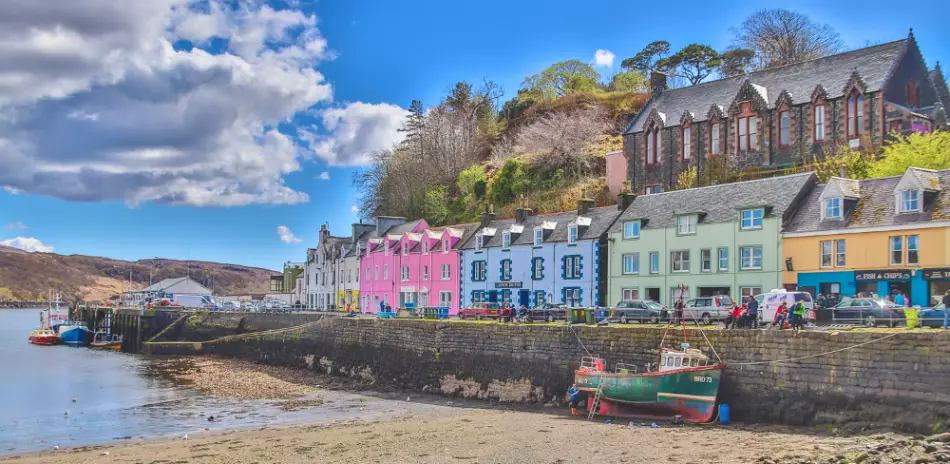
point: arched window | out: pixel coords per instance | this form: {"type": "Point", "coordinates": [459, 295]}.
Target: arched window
{"type": "Point", "coordinates": [715, 141]}
{"type": "Point", "coordinates": [913, 94]}
{"type": "Point", "coordinates": [746, 129]}
{"type": "Point", "coordinates": [687, 142]}
{"type": "Point", "coordinates": [855, 113]}
{"type": "Point", "coordinates": [653, 146]}
{"type": "Point", "coordinates": [819, 120]}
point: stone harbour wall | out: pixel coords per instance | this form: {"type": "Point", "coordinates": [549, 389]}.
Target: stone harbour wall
{"type": "Point", "coordinates": [901, 382]}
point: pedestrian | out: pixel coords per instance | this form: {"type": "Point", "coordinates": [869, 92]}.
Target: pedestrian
{"type": "Point", "coordinates": [575, 398]}
{"type": "Point", "coordinates": [820, 302]}
{"type": "Point", "coordinates": [946, 310]}
{"type": "Point", "coordinates": [907, 300]}
{"type": "Point", "coordinates": [781, 315]}
{"type": "Point", "coordinates": [523, 313]}
{"type": "Point", "coordinates": [799, 315]}
{"type": "Point", "coordinates": [733, 319]}
{"type": "Point", "coordinates": [752, 307]}
{"type": "Point", "coordinates": [898, 299]}
{"type": "Point", "coordinates": [382, 306]}
{"type": "Point", "coordinates": [679, 307]}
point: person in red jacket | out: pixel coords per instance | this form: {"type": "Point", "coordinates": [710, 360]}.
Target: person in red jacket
{"type": "Point", "coordinates": [781, 315]}
{"type": "Point", "coordinates": [734, 315]}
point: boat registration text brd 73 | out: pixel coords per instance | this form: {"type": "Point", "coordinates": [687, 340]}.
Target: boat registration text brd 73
{"type": "Point", "coordinates": [702, 379]}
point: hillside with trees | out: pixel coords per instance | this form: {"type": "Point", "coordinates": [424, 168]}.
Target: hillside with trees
{"type": "Point", "coordinates": [28, 276]}
{"type": "Point", "coordinates": [546, 145]}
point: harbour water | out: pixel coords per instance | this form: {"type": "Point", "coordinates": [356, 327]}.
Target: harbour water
{"type": "Point", "coordinates": [65, 396]}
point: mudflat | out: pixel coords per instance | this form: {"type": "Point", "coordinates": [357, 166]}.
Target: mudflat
{"type": "Point", "coordinates": [439, 430]}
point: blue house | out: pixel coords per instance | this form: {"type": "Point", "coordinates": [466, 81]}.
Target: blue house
{"type": "Point", "coordinates": [555, 258]}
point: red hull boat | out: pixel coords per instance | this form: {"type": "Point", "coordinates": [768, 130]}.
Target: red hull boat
{"type": "Point", "coordinates": [43, 337]}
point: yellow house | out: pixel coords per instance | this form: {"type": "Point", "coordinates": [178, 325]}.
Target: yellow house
{"type": "Point", "coordinates": [875, 237]}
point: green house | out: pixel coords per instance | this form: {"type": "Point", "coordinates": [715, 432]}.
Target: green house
{"type": "Point", "coordinates": [707, 241]}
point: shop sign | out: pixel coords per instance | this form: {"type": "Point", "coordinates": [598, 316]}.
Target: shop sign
{"type": "Point", "coordinates": [508, 284]}
{"type": "Point", "coordinates": [889, 274]}
{"type": "Point", "coordinates": [409, 289]}
{"type": "Point", "coordinates": [937, 274]}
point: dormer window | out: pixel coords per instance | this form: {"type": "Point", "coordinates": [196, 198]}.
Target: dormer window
{"type": "Point", "coordinates": [752, 218]}
{"type": "Point", "coordinates": [506, 240]}
{"type": "Point", "coordinates": [572, 235]}
{"type": "Point", "coordinates": [445, 246]}
{"type": "Point", "coordinates": [855, 113]}
{"type": "Point", "coordinates": [910, 201]}
{"type": "Point", "coordinates": [478, 242]}
{"type": "Point", "coordinates": [425, 247]}
{"type": "Point", "coordinates": [538, 237]}
{"type": "Point", "coordinates": [405, 249]}
{"type": "Point", "coordinates": [833, 208]}
{"type": "Point", "coordinates": [631, 229]}
{"type": "Point", "coordinates": [686, 225]}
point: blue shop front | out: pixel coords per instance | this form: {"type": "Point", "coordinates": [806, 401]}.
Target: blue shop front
{"type": "Point", "coordinates": [874, 283]}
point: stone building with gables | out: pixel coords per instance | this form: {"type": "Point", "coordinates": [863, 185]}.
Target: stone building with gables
{"type": "Point", "coordinates": [780, 116]}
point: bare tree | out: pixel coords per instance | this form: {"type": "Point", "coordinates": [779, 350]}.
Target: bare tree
{"type": "Point", "coordinates": [780, 37]}
{"type": "Point", "coordinates": [561, 138]}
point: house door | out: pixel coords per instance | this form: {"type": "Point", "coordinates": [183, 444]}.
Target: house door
{"type": "Point", "coordinates": [524, 298]}
{"type": "Point", "coordinates": [493, 296]}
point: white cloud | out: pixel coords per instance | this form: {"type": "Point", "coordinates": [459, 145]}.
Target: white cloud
{"type": "Point", "coordinates": [97, 105]}
{"type": "Point", "coordinates": [604, 58]}
{"type": "Point", "coordinates": [27, 244]}
{"type": "Point", "coordinates": [16, 226]}
{"type": "Point", "coordinates": [286, 235]}
{"type": "Point", "coordinates": [11, 190]}
{"type": "Point", "coordinates": [356, 130]}
{"type": "Point", "coordinates": [324, 176]}
{"type": "Point", "coordinates": [355, 209]}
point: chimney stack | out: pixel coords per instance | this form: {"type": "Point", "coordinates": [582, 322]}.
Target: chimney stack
{"type": "Point", "coordinates": [521, 215]}
{"type": "Point", "coordinates": [657, 83]}
{"type": "Point", "coordinates": [324, 233]}
{"type": "Point", "coordinates": [584, 204]}
{"type": "Point", "coordinates": [488, 216]}
{"type": "Point", "coordinates": [842, 171]}
{"type": "Point", "coordinates": [626, 197]}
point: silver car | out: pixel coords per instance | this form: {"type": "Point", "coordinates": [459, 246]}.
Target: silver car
{"type": "Point", "coordinates": [709, 309]}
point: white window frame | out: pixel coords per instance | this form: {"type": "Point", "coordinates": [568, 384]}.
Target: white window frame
{"type": "Point", "coordinates": [506, 269]}
{"type": "Point", "coordinates": [478, 242]}
{"type": "Point", "coordinates": [832, 208]}
{"type": "Point", "coordinates": [572, 235]}
{"type": "Point", "coordinates": [425, 246]}
{"type": "Point", "coordinates": [654, 262]}
{"type": "Point", "coordinates": [377, 273]}
{"type": "Point", "coordinates": [748, 263]}
{"type": "Point", "coordinates": [715, 138]}
{"type": "Point", "coordinates": [425, 272]}
{"type": "Point", "coordinates": [690, 221]}
{"type": "Point", "coordinates": [752, 218]}
{"type": "Point", "coordinates": [819, 122]}
{"type": "Point", "coordinates": [705, 260]}
{"type": "Point", "coordinates": [538, 236]}
{"type": "Point", "coordinates": [446, 272]}
{"type": "Point", "coordinates": [908, 200]}
{"type": "Point", "coordinates": [537, 271]}
{"type": "Point", "coordinates": [687, 142]}
{"type": "Point", "coordinates": [650, 155]}
{"type": "Point", "coordinates": [826, 254]}
{"type": "Point", "coordinates": [368, 273]}
{"type": "Point", "coordinates": [405, 248]}
{"type": "Point", "coordinates": [445, 246]}
{"type": "Point", "coordinates": [720, 258]}
{"type": "Point", "coordinates": [679, 258]}
{"type": "Point", "coordinates": [841, 253]}
{"type": "Point", "coordinates": [749, 292]}
{"type": "Point", "coordinates": [404, 274]}
{"type": "Point", "coordinates": [631, 264]}
{"type": "Point", "coordinates": [631, 230]}
{"type": "Point", "coordinates": [784, 128]}
{"type": "Point", "coordinates": [385, 271]}
{"type": "Point", "coordinates": [628, 294]}
{"type": "Point", "coordinates": [899, 251]}
{"type": "Point", "coordinates": [915, 250]}
{"type": "Point", "coordinates": [505, 240]}
{"type": "Point", "coordinates": [445, 300]}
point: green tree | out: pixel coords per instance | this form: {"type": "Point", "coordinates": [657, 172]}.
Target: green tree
{"type": "Point", "coordinates": [510, 182]}
{"type": "Point", "coordinates": [645, 62]}
{"type": "Point", "coordinates": [929, 151]}
{"type": "Point", "coordinates": [435, 205]}
{"type": "Point", "coordinates": [563, 78]}
{"type": "Point", "coordinates": [695, 62]}
{"type": "Point", "coordinates": [469, 179]}
{"type": "Point", "coordinates": [628, 81]}
{"type": "Point", "coordinates": [736, 61]}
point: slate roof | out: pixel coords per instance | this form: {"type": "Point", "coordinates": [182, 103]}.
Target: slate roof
{"type": "Point", "coordinates": [719, 203]}
{"type": "Point", "coordinates": [601, 220]}
{"type": "Point", "coordinates": [873, 65]}
{"type": "Point", "coordinates": [876, 206]}
{"type": "Point", "coordinates": [182, 285]}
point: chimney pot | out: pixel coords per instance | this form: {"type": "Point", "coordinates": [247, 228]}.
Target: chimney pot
{"type": "Point", "coordinates": [657, 83]}
{"type": "Point", "coordinates": [842, 171]}
{"type": "Point", "coordinates": [521, 215]}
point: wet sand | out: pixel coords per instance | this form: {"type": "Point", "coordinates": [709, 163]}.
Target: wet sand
{"type": "Point", "coordinates": [442, 430]}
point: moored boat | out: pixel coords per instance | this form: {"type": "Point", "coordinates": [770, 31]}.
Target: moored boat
{"type": "Point", "coordinates": [105, 341]}
{"type": "Point", "coordinates": [43, 337]}
{"type": "Point", "coordinates": [75, 333]}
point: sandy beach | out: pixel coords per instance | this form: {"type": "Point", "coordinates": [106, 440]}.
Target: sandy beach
{"type": "Point", "coordinates": [441, 430]}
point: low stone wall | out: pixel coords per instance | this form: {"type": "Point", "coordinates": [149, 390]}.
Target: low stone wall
{"type": "Point", "coordinates": [902, 381]}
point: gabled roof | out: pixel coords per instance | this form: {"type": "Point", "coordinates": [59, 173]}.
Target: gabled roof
{"type": "Point", "coordinates": [180, 285]}
{"type": "Point", "coordinates": [601, 219]}
{"type": "Point", "coordinates": [876, 206]}
{"type": "Point", "coordinates": [872, 64]}
{"type": "Point", "coordinates": [718, 203]}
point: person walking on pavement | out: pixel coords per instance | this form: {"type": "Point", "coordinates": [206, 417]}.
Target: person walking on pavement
{"type": "Point", "coordinates": [575, 398]}
{"type": "Point", "coordinates": [752, 307]}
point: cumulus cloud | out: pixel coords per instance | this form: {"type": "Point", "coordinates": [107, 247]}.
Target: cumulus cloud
{"type": "Point", "coordinates": [604, 58]}
{"type": "Point", "coordinates": [324, 176]}
{"type": "Point", "coordinates": [98, 104]}
{"type": "Point", "coordinates": [16, 226]}
{"type": "Point", "coordinates": [355, 130]}
{"type": "Point", "coordinates": [286, 235]}
{"type": "Point", "coordinates": [29, 244]}
{"type": "Point", "coordinates": [355, 209]}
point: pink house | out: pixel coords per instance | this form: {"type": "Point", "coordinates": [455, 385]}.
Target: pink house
{"type": "Point", "coordinates": [616, 172]}
{"type": "Point", "coordinates": [419, 266]}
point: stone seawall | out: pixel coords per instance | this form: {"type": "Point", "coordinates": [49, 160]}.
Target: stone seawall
{"type": "Point", "coordinates": [902, 381]}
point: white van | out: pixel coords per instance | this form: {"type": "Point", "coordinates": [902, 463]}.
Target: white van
{"type": "Point", "coordinates": [769, 302]}
{"type": "Point", "coordinates": [194, 301]}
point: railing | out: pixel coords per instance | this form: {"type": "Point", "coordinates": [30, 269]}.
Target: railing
{"type": "Point", "coordinates": [592, 363]}
{"type": "Point", "coordinates": [623, 368]}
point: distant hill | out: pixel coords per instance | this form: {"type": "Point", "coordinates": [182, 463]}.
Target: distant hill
{"type": "Point", "coordinates": [27, 276]}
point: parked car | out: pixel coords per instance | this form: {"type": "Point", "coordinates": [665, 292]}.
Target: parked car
{"type": "Point", "coordinates": [709, 309]}
{"type": "Point", "coordinates": [549, 312]}
{"type": "Point", "coordinates": [481, 310]}
{"type": "Point", "coordinates": [769, 302]}
{"type": "Point", "coordinates": [932, 317]}
{"type": "Point", "coordinates": [869, 311]}
{"type": "Point", "coordinates": [638, 310]}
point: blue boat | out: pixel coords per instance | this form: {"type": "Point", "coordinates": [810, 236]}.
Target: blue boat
{"type": "Point", "coordinates": [75, 333]}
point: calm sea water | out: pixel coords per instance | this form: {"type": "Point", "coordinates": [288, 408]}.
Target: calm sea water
{"type": "Point", "coordinates": [117, 398]}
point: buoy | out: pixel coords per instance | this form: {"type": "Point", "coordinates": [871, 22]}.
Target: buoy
{"type": "Point", "coordinates": [74, 400]}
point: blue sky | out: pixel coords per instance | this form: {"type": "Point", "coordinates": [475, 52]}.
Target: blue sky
{"type": "Point", "coordinates": [244, 179]}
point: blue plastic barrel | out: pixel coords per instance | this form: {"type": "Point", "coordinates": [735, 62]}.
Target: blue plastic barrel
{"type": "Point", "coordinates": [724, 414]}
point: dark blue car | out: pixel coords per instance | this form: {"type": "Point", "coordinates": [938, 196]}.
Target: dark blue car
{"type": "Point", "coordinates": [932, 317]}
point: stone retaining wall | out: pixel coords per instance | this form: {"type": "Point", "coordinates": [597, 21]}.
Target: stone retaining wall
{"type": "Point", "coordinates": [903, 381]}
